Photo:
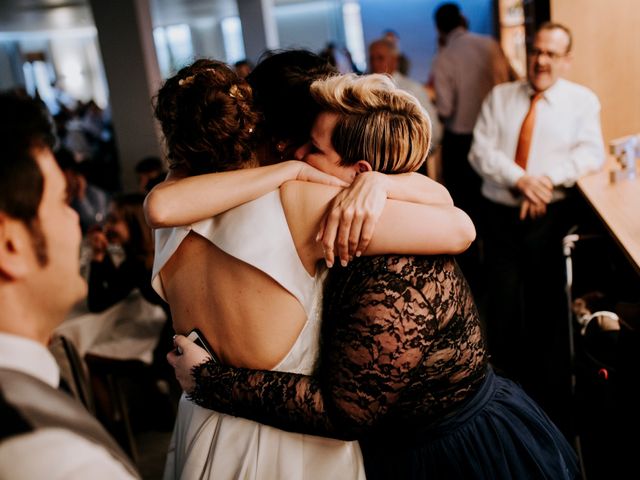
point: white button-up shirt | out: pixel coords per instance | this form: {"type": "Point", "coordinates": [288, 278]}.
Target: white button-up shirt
{"type": "Point", "coordinates": [566, 142]}
{"type": "Point", "coordinates": [51, 453]}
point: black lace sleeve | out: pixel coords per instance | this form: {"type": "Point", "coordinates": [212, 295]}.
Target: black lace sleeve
{"type": "Point", "coordinates": [377, 328]}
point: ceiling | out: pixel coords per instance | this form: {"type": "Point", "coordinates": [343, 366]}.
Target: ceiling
{"type": "Point", "coordinates": [47, 15]}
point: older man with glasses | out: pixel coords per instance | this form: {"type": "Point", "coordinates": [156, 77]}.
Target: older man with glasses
{"type": "Point", "coordinates": [532, 141]}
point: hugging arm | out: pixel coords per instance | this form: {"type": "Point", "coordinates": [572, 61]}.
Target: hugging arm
{"type": "Point", "coordinates": [182, 201]}
{"type": "Point", "coordinates": [352, 215]}
{"type": "Point", "coordinates": [401, 227]}
{"type": "Point", "coordinates": [349, 220]}
{"type": "Point", "coordinates": [371, 351]}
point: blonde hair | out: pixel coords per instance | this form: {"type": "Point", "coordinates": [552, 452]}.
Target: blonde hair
{"type": "Point", "coordinates": [377, 122]}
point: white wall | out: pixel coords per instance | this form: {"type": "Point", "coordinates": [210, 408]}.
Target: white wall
{"type": "Point", "coordinates": [310, 25]}
{"type": "Point", "coordinates": [79, 68]}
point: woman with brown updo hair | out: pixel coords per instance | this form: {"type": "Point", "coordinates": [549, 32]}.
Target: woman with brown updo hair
{"type": "Point", "coordinates": [219, 106]}
{"type": "Point", "coordinates": [249, 279]}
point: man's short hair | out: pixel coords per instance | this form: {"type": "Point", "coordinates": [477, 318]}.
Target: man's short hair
{"type": "Point", "coordinates": [391, 32]}
{"type": "Point", "coordinates": [388, 44]}
{"type": "Point", "coordinates": [558, 26]}
{"type": "Point", "coordinates": [448, 17]}
{"type": "Point", "coordinates": [25, 126]}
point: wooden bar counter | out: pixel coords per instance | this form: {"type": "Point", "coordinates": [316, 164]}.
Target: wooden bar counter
{"type": "Point", "coordinates": [618, 205]}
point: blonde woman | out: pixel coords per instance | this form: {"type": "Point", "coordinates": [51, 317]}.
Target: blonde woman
{"type": "Point", "coordinates": [403, 364]}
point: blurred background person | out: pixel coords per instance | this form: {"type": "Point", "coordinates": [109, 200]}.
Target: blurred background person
{"type": "Point", "coordinates": [404, 64]}
{"type": "Point", "coordinates": [243, 68]}
{"type": "Point", "coordinates": [113, 278]}
{"type": "Point", "coordinates": [110, 281]}
{"type": "Point", "coordinates": [533, 140]}
{"type": "Point", "coordinates": [89, 201]}
{"type": "Point", "coordinates": [149, 171]}
{"type": "Point", "coordinates": [465, 69]}
{"type": "Point", "coordinates": [87, 132]}
{"type": "Point", "coordinates": [383, 58]}
{"type": "Point", "coordinates": [340, 58]}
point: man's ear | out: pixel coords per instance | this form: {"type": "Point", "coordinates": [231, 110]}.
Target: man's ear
{"type": "Point", "coordinates": [363, 166]}
{"type": "Point", "coordinates": [16, 248]}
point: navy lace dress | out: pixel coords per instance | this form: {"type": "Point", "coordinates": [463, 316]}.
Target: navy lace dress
{"type": "Point", "coordinates": [403, 369]}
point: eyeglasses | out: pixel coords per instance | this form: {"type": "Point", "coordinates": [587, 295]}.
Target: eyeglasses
{"type": "Point", "coordinates": [536, 52]}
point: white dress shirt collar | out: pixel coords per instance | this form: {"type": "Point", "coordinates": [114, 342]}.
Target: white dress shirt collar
{"type": "Point", "coordinates": [29, 357]}
{"type": "Point", "coordinates": [551, 94]}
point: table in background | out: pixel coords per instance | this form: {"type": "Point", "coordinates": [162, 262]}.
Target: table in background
{"type": "Point", "coordinates": [129, 330]}
{"type": "Point", "coordinates": [115, 349]}
{"type": "Point", "coordinates": [618, 206]}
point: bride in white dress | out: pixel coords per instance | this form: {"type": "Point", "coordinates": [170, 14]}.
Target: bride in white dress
{"type": "Point", "coordinates": [249, 277]}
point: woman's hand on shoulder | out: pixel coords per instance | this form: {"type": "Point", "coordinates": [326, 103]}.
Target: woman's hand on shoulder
{"type": "Point", "coordinates": [183, 358]}
{"type": "Point", "coordinates": [350, 220]}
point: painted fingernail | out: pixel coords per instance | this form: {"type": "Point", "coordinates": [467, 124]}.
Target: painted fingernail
{"type": "Point", "coordinates": [329, 264]}
{"type": "Point", "coordinates": [343, 263]}
{"type": "Point", "coordinates": [358, 253]}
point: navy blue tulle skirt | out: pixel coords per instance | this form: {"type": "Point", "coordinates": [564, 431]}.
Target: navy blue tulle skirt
{"type": "Point", "coordinates": [500, 433]}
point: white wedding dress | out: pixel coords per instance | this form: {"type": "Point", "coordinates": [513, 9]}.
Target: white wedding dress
{"type": "Point", "coordinates": [210, 445]}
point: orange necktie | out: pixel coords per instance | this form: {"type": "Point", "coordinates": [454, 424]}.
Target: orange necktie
{"type": "Point", "coordinates": [526, 132]}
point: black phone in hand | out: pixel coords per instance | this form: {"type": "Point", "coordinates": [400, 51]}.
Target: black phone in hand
{"type": "Point", "coordinates": [196, 337]}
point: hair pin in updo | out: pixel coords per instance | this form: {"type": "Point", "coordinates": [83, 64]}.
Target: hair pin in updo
{"type": "Point", "coordinates": [234, 91]}
{"type": "Point", "coordinates": [183, 82]}
{"type": "Point", "coordinates": [186, 81]}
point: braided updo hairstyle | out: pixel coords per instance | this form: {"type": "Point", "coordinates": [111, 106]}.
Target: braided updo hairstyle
{"type": "Point", "coordinates": [207, 117]}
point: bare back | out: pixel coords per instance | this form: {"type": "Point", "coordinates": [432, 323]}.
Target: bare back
{"type": "Point", "coordinates": [248, 317]}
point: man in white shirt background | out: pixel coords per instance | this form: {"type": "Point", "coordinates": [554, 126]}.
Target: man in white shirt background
{"type": "Point", "coordinates": [383, 58]}
{"type": "Point", "coordinates": [532, 141]}
{"type": "Point", "coordinates": [466, 67]}
{"type": "Point", "coordinates": [44, 433]}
